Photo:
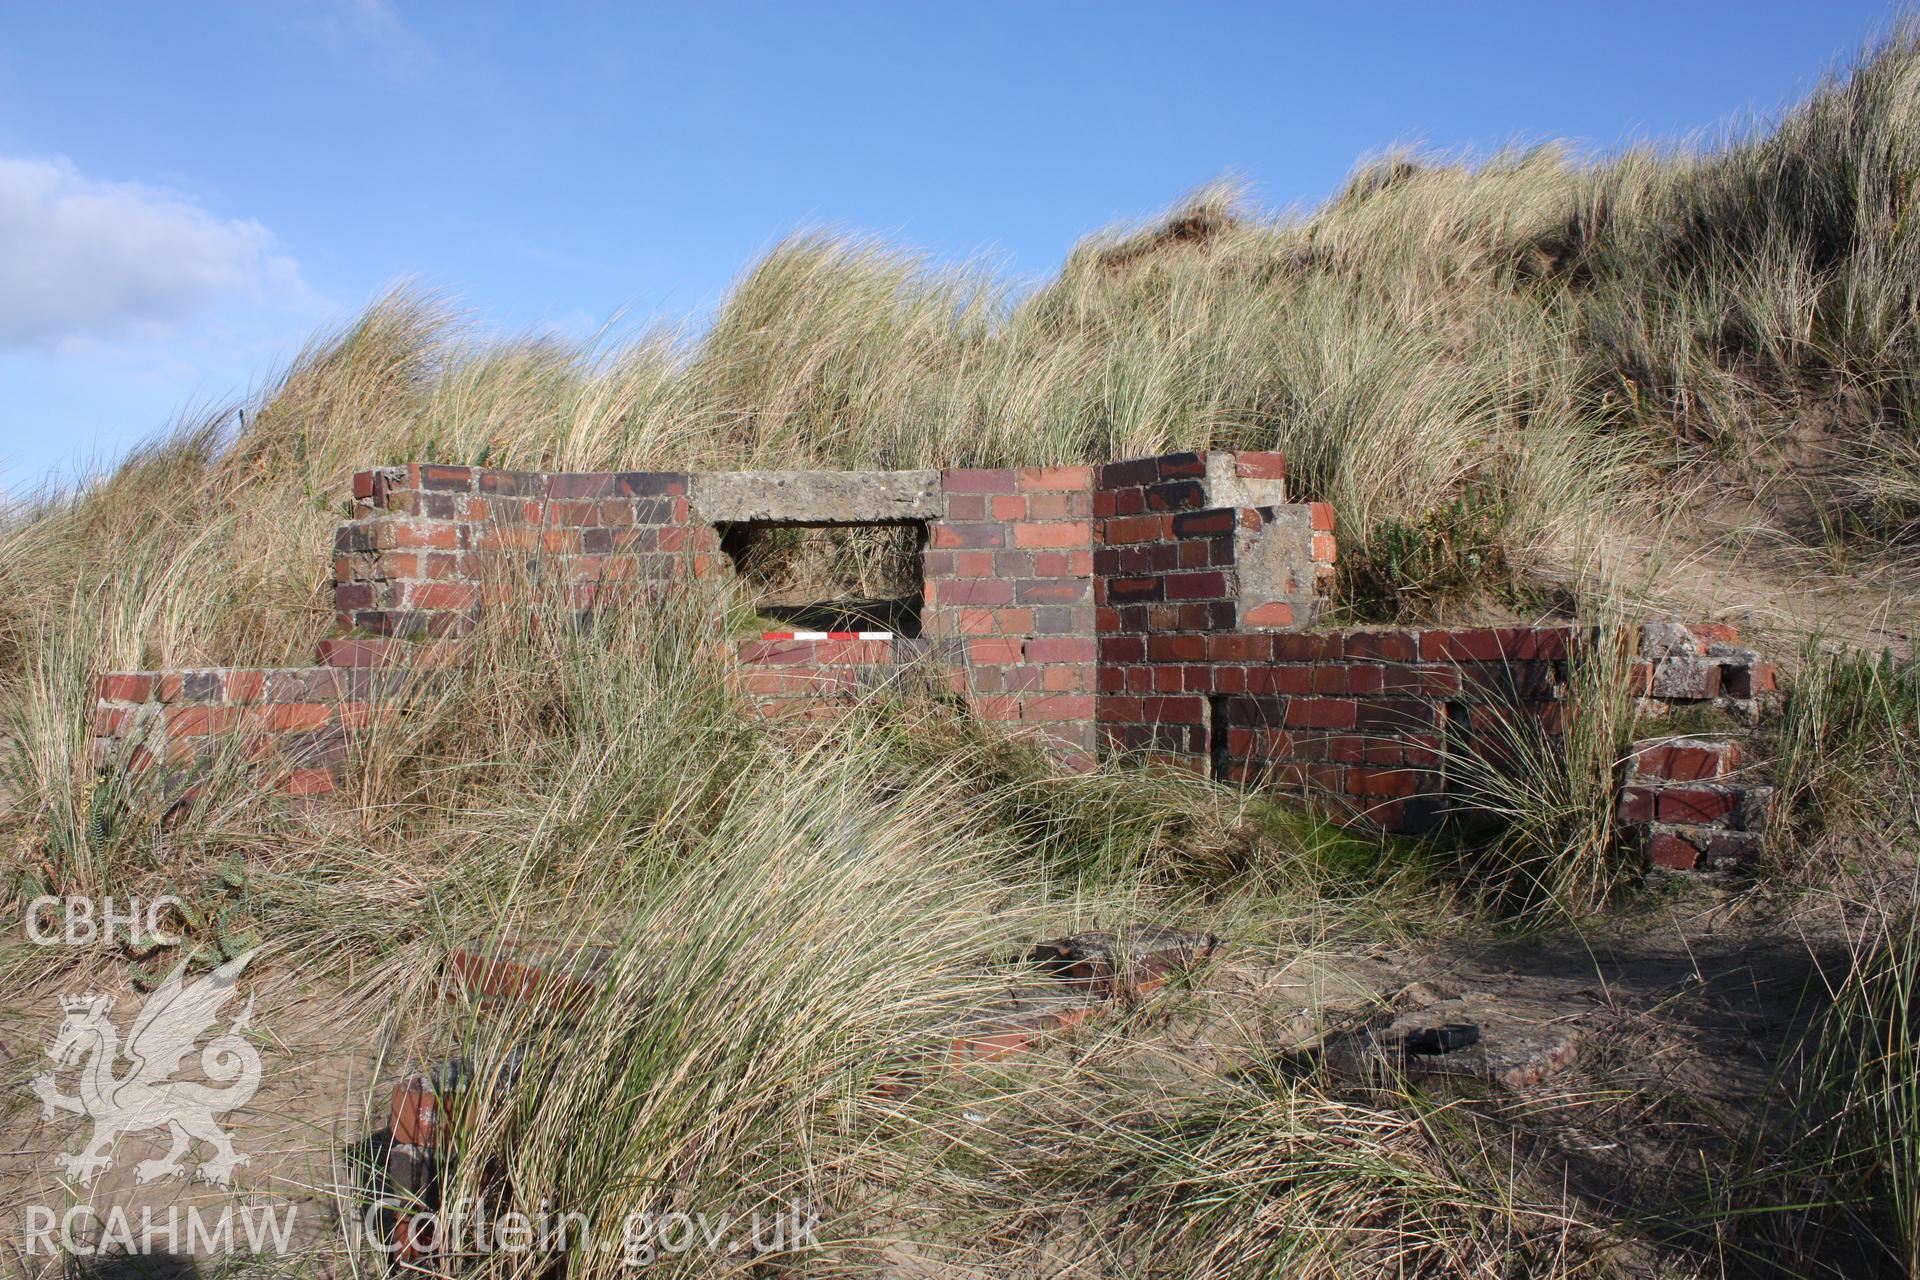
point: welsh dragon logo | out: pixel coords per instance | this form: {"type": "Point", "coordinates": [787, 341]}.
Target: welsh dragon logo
{"type": "Point", "coordinates": [144, 1095]}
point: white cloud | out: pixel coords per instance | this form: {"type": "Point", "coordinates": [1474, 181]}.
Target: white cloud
{"type": "Point", "coordinates": [83, 259]}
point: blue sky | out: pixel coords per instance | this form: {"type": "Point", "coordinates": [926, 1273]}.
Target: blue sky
{"type": "Point", "coordinates": [187, 191]}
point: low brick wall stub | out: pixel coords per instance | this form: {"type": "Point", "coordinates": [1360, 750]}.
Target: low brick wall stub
{"type": "Point", "coordinates": [294, 722]}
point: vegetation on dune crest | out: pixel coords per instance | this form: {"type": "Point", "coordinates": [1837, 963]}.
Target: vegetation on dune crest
{"type": "Point", "coordinates": [1489, 368]}
{"type": "Point", "coordinates": [1474, 362]}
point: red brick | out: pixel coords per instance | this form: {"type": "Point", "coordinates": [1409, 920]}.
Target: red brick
{"type": "Point", "coordinates": [1260, 465]}
{"type": "Point", "coordinates": [775, 651]}
{"type": "Point", "coordinates": [1636, 805]}
{"type": "Point", "coordinates": [110, 722]}
{"type": "Point", "coordinates": [1320, 515]}
{"type": "Point", "coordinates": [430, 476]}
{"type": "Point", "coordinates": [1174, 710]}
{"type": "Point", "coordinates": [1007, 507]}
{"type": "Point", "coordinates": [308, 782]}
{"type": "Point", "coordinates": [125, 687]}
{"type": "Point", "coordinates": [423, 533]}
{"type": "Point", "coordinates": [1693, 804]}
{"type": "Point", "coordinates": [1063, 649]}
{"type": "Point", "coordinates": [291, 717]}
{"type": "Point", "coordinates": [1280, 680]}
{"type": "Point", "coordinates": [194, 721]}
{"type": "Point", "coordinates": [1320, 713]}
{"type": "Point", "coordinates": [442, 595]}
{"type": "Point", "coordinates": [1229, 647]}
{"type": "Point", "coordinates": [1124, 530]}
{"type": "Point", "coordinates": [1708, 633]}
{"type": "Point", "coordinates": [1052, 591]}
{"type": "Point", "coordinates": [967, 506]}
{"type": "Point", "coordinates": [1204, 524]}
{"type": "Point", "coordinates": [972, 564]}
{"type": "Point", "coordinates": [1065, 706]}
{"type": "Point", "coordinates": [1481, 645]}
{"type": "Point", "coordinates": [362, 485]}
{"type": "Point", "coordinates": [1383, 782]}
{"type": "Point", "coordinates": [1687, 761]}
{"type": "Point", "coordinates": [1196, 586]}
{"type": "Point", "coordinates": [1275, 613]}
{"type": "Point", "coordinates": [244, 686]}
{"type": "Point", "coordinates": [1330, 678]}
{"type": "Point", "coordinates": [946, 534]}
{"type": "Point", "coordinates": [581, 484]}
{"type": "Point", "coordinates": [975, 591]}
{"type": "Point", "coordinates": [977, 480]}
{"type": "Point", "coordinates": [506, 538]}
{"type": "Point", "coordinates": [996, 708]}
{"type": "Point", "coordinates": [1325, 549]}
{"type": "Point", "coordinates": [1070, 533]}
{"type": "Point", "coordinates": [994, 650]}
{"type": "Point", "coordinates": [1038, 479]}
{"type": "Point", "coordinates": [1322, 646]}
{"type": "Point", "coordinates": [1667, 850]}
{"type": "Point", "coordinates": [1067, 679]}
{"type": "Point", "coordinates": [1387, 646]}
{"type": "Point", "coordinates": [1177, 648]}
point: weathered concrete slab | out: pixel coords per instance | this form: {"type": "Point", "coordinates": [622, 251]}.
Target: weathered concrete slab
{"type": "Point", "coordinates": [815, 497]}
{"type": "Point", "coordinates": [1520, 1043]}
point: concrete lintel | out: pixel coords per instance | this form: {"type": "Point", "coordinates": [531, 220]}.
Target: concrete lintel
{"type": "Point", "coordinates": [815, 497]}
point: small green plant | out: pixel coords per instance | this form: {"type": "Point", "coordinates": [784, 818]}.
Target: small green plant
{"type": "Point", "coordinates": [215, 924]}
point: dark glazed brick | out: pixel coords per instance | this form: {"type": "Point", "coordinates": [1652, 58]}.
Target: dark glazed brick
{"type": "Point", "coordinates": [1182, 466]}
{"type": "Point", "coordinates": [1176, 495]}
{"type": "Point", "coordinates": [1124, 475]}
{"type": "Point", "coordinates": [580, 484]}
{"type": "Point", "coordinates": [521, 484]}
{"type": "Point", "coordinates": [650, 484]}
{"type": "Point", "coordinates": [1204, 524]}
{"type": "Point", "coordinates": [1387, 646]}
{"type": "Point", "coordinates": [437, 477]}
{"type": "Point", "coordinates": [1125, 590]}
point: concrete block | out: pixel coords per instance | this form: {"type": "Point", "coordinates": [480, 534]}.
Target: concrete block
{"type": "Point", "coordinates": [816, 497]}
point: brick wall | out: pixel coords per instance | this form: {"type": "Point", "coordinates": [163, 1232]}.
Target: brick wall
{"type": "Point", "coordinates": [1009, 570]}
{"type": "Point", "coordinates": [430, 546]}
{"type": "Point", "coordinates": [1165, 607]}
{"type": "Point", "coordinates": [292, 722]}
{"type": "Point", "coordinates": [812, 678]}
